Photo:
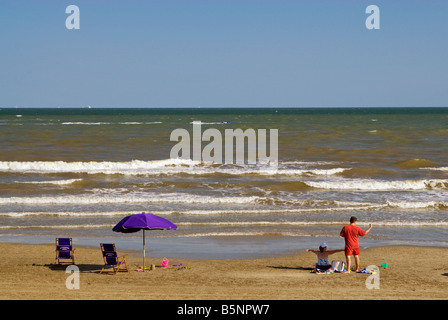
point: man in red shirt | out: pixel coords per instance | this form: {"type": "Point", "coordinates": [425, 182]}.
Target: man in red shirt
{"type": "Point", "coordinates": [351, 233]}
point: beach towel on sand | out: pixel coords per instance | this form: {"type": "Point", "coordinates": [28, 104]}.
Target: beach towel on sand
{"type": "Point", "coordinates": [365, 270]}
{"type": "Point", "coordinates": [320, 271]}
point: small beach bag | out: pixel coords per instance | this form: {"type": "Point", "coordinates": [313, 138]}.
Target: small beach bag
{"type": "Point", "coordinates": [337, 265]}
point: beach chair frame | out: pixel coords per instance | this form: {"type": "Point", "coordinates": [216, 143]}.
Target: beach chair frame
{"type": "Point", "coordinates": [64, 251]}
{"type": "Point", "coordinates": [111, 258]}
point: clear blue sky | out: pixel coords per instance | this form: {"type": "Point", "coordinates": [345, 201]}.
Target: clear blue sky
{"type": "Point", "coordinates": [223, 53]}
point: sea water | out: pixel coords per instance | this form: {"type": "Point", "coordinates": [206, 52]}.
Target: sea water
{"type": "Point", "coordinates": [77, 172]}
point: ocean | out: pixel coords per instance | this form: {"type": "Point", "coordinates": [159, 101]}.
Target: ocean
{"type": "Point", "coordinates": [76, 172]}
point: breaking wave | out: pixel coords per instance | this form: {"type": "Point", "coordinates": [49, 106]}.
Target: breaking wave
{"type": "Point", "coordinates": [157, 167]}
{"type": "Point", "coordinates": [80, 123]}
{"type": "Point", "coordinates": [53, 182]}
{"type": "Point", "coordinates": [437, 169]}
{"type": "Point", "coordinates": [378, 185]}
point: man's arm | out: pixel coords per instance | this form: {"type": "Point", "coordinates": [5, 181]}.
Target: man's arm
{"type": "Point", "coordinates": [335, 251]}
{"type": "Point", "coordinates": [368, 230]}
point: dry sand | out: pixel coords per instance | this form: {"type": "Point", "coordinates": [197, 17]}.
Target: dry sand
{"type": "Point", "coordinates": [28, 272]}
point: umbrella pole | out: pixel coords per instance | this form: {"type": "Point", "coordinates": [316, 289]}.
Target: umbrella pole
{"type": "Point", "coordinates": [144, 250]}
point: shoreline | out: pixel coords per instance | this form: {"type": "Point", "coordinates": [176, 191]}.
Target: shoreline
{"type": "Point", "coordinates": [217, 248]}
{"type": "Point", "coordinates": [418, 273]}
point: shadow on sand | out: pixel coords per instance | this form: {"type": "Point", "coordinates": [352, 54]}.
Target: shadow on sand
{"type": "Point", "coordinates": [83, 268]}
{"type": "Point", "coordinates": [290, 268]}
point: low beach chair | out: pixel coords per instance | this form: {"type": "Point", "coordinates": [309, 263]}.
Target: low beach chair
{"type": "Point", "coordinates": [65, 250]}
{"type": "Point", "coordinates": [111, 258]}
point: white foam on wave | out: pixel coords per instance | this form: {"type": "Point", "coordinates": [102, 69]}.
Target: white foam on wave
{"type": "Point", "coordinates": [157, 167]}
{"type": "Point", "coordinates": [55, 182]}
{"type": "Point", "coordinates": [66, 214]}
{"type": "Point", "coordinates": [302, 206]}
{"type": "Point", "coordinates": [309, 163]}
{"type": "Point", "coordinates": [347, 207]}
{"type": "Point", "coordinates": [241, 234]}
{"type": "Point", "coordinates": [139, 123]}
{"type": "Point", "coordinates": [107, 167]}
{"type": "Point", "coordinates": [405, 223]}
{"type": "Point", "coordinates": [133, 198]}
{"type": "Point", "coordinates": [418, 204]}
{"type": "Point", "coordinates": [281, 171]}
{"type": "Point", "coordinates": [214, 122]}
{"type": "Point", "coordinates": [85, 123]}
{"type": "Point", "coordinates": [116, 196]}
{"type": "Point", "coordinates": [81, 226]}
{"type": "Point", "coordinates": [436, 169]}
{"type": "Point", "coordinates": [244, 224]}
{"type": "Point", "coordinates": [372, 185]}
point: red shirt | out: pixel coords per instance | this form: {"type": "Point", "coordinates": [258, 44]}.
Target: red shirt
{"type": "Point", "coordinates": [351, 233]}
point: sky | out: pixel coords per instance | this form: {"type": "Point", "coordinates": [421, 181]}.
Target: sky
{"type": "Point", "coordinates": [224, 53]}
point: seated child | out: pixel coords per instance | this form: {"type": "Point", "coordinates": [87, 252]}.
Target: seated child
{"type": "Point", "coordinates": [322, 256]}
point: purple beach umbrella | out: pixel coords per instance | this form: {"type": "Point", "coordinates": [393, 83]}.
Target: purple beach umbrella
{"type": "Point", "coordinates": [143, 221]}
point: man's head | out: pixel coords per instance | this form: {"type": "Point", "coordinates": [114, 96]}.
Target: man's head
{"type": "Point", "coordinates": [353, 219]}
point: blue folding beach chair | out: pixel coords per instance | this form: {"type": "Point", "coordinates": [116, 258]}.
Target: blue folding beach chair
{"type": "Point", "coordinates": [65, 250]}
{"type": "Point", "coordinates": [111, 258]}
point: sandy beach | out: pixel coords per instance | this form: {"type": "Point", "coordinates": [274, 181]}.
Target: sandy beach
{"type": "Point", "coordinates": [28, 272]}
